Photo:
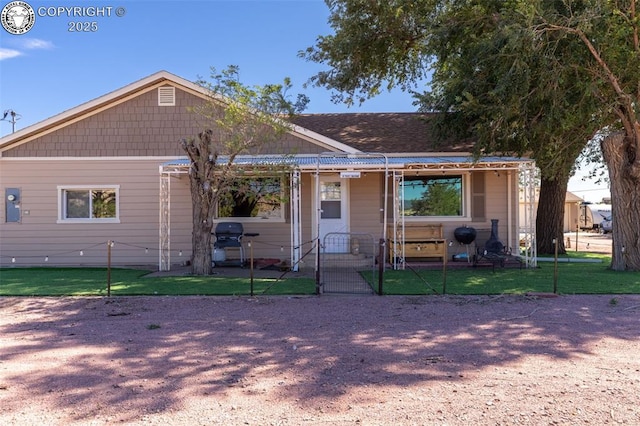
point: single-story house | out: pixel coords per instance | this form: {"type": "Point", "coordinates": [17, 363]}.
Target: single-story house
{"type": "Point", "coordinates": [111, 172]}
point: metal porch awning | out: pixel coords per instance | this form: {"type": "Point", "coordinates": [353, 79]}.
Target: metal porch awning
{"type": "Point", "coordinates": [335, 162]}
{"type": "Point", "coordinates": [339, 161]}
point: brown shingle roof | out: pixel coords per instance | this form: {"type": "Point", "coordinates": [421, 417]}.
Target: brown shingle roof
{"type": "Point", "coordinates": [380, 132]}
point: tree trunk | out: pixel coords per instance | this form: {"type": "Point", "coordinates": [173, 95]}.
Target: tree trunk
{"type": "Point", "coordinates": [623, 162]}
{"type": "Point", "coordinates": [202, 205]}
{"type": "Point", "coordinates": [550, 215]}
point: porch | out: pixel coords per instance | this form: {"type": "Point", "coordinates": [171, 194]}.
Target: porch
{"type": "Point", "coordinates": [374, 187]}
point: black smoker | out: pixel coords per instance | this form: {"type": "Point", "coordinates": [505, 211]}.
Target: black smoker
{"type": "Point", "coordinates": [493, 244]}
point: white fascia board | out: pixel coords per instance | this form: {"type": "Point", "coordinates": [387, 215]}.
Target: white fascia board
{"type": "Point", "coordinates": [317, 137]}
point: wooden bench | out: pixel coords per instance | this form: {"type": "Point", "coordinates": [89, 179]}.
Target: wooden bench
{"type": "Point", "coordinates": [420, 241]}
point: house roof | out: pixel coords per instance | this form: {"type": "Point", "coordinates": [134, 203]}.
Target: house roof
{"type": "Point", "coordinates": [572, 198]}
{"type": "Point", "coordinates": [382, 132]}
{"type": "Point", "coordinates": [93, 106]}
{"type": "Point", "coordinates": [353, 133]}
{"type": "Point", "coordinates": [134, 89]}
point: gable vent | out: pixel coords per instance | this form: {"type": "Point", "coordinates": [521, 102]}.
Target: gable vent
{"type": "Point", "coordinates": [166, 96]}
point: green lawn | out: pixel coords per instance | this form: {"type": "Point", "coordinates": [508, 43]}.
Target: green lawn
{"type": "Point", "coordinates": [572, 278]}
{"type": "Point", "coordinates": [127, 282]}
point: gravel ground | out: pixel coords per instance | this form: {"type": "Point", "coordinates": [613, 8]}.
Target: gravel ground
{"type": "Point", "coordinates": [435, 360]}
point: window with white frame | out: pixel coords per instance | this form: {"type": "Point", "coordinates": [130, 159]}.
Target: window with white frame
{"type": "Point", "coordinates": [433, 196]}
{"type": "Point", "coordinates": [81, 204]}
{"type": "Point", "coordinates": [253, 199]}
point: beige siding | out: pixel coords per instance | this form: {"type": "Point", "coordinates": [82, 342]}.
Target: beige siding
{"type": "Point", "coordinates": [136, 237]}
{"type": "Point", "coordinates": [307, 217]}
{"type": "Point", "coordinates": [497, 207]}
{"type": "Point", "coordinates": [39, 235]}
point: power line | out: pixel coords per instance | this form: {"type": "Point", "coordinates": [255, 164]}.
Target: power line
{"type": "Point", "coordinates": [11, 116]}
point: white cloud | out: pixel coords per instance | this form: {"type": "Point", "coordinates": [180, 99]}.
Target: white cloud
{"type": "Point", "coordinates": [8, 53]}
{"type": "Point", "coordinates": [24, 44]}
{"type": "Point", "coordinates": [35, 43]}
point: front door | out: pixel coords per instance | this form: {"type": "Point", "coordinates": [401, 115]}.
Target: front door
{"type": "Point", "coordinates": [333, 210]}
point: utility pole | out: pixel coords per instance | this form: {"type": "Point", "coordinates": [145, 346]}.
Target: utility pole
{"type": "Point", "coordinates": [11, 116]}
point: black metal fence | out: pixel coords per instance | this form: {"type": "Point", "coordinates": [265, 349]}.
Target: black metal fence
{"type": "Point", "coordinates": [348, 263]}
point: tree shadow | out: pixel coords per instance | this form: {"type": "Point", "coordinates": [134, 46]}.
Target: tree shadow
{"type": "Point", "coordinates": [141, 355]}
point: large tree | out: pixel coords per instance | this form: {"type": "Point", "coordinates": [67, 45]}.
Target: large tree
{"type": "Point", "coordinates": [506, 72]}
{"type": "Point", "coordinates": [609, 31]}
{"type": "Point", "coordinates": [591, 49]}
{"type": "Point", "coordinates": [503, 82]}
{"type": "Point", "coordinates": [236, 119]}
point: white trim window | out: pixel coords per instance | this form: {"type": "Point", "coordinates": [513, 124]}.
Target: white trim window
{"type": "Point", "coordinates": [435, 196]}
{"type": "Point", "coordinates": [89, 204]}
{"type": "Point", "coordinates": [255, 199]}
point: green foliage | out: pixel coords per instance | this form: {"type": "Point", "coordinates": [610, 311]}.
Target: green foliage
{"type": "Point", "coordinates": [376, 45]}
{"type": "Point", "coordinates": [242, 119]}
{"type": "Point", "coordinates": [236, 119]}
{"type": "Point", "coordinates": [504, 72]}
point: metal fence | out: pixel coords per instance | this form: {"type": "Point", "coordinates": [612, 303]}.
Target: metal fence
{"type": "Point", "coordinates": [348, 263]}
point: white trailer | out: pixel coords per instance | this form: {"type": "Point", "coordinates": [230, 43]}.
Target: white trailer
{"type": "Point", "coordinates": [592, 215]}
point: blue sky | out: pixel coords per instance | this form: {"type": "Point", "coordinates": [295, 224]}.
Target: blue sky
{"type": "Point", "coordinates": [51, 69]}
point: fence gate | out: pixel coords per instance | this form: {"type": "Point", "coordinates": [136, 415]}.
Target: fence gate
{"type": "Point", "coordinates": [348, 263]}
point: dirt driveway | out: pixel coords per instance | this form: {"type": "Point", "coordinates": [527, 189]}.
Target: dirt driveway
{"type": "Point", "coordinates": [320, 361]}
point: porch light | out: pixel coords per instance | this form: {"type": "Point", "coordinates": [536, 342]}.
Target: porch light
{"type": "Point", "coordinates": [46, 258]}
{"type": "Point", "coordinates": [81, 253]}
{"type": "Point", "coordinates": [13, 260]}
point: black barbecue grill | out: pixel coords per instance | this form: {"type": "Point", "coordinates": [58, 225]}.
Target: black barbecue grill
{"type": "Point", "coordinates": [228, 235]}
{"type": "Point", "coordinates": [465, 235]}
